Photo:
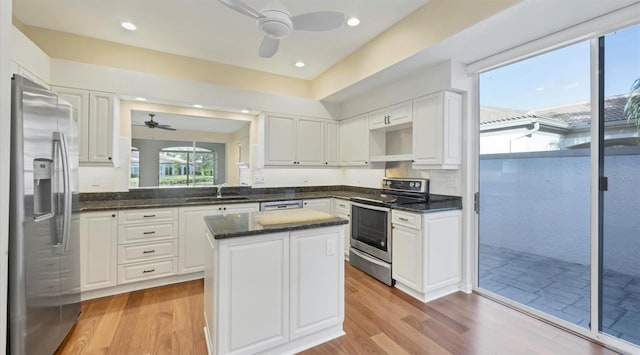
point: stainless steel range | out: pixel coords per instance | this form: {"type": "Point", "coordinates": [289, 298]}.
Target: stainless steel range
{"type": "Point", "coordinates": [371, 224]}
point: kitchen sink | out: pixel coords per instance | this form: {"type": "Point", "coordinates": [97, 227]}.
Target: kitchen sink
{"type": "Point", "coordinates": [214, 198]}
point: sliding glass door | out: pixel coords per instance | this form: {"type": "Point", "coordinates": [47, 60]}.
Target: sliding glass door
{"type": "Point", "coordinates": [620, 240]}
{"type": "Point", "coordinates": [536, 167]}
{"type": "Point", "coordinates": [534, 237]}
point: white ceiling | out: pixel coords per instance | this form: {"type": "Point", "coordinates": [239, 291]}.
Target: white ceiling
{"type": "Point", "coordinates": [185, 122]}
{"type": "Point", "coordinates": [206, 29]}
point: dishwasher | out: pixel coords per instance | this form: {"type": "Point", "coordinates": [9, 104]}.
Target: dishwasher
{"type": "Point", "coordinates": [280, 205]}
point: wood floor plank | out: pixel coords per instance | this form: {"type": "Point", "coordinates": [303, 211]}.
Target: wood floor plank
{"type": "Point", "coordinates": [378, 320]}
{"type": "Point", "coordinates": [388, 345]}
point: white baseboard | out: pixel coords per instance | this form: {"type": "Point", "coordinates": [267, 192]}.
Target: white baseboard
{"type": "Point", "coordinates": [135, 286]}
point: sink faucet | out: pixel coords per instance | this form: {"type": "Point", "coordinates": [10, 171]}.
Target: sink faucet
{"type": "Point", "coordinates": [219, 189]}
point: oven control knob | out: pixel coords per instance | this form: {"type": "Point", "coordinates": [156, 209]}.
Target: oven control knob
{"type": "Point", "coordinates": [410, 184]}
{"type": "Point", "coordinates": [417, 184]}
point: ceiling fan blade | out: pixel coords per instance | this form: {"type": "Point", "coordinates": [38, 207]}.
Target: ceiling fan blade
{"type": "Point", "coordinates": [242, 8]}
{"type": "Point", "coordinates": [268, 47]}
{"type": "Point", "coordinates": [164, 126]}
{"type": "Point", "coordinates": [318, 21]}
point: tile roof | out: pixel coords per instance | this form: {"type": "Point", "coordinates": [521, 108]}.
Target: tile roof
{"type": "Point", "coordinates": [568, 114]}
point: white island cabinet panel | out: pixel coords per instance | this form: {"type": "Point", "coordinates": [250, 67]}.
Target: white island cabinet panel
{"type": "Point", "coordinates": [256, 288]}
{"type": "Point", "coordinates": [316, 297]}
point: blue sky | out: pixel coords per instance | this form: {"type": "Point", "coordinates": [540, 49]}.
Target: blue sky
{"type": "Point", "coordinates": [562, 77]}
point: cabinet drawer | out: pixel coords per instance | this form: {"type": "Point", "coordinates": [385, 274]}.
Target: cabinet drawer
{"type": "Point", "coordinates": [133, 253]}
{"type": "Point", "coordinates": [146, 232]}
{"type": "Point", "coordinates": [411, 220]}
{"type": "Point", "coordinates": [145, 271]}
{"type": "Point", "coordinates": [143, 216]}
{"type": "Point", "coordinates": [341, 206]}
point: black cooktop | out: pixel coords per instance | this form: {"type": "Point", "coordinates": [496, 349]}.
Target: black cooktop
{"type": "Point", "coordinates": [398, 191]}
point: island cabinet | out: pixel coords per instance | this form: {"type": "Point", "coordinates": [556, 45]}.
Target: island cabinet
{"type": "Point", "coordinates": [426, 253]}
{"type": "Point", "coordinates": [274, 293]}
{"type": "Point", "coordinates": [191, 237]}
{"type": "Point", "coordinates": [437, 131]}
{"type": "Point", "coordinates": [98, 250]}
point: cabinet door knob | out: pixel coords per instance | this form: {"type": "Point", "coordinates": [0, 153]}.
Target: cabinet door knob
{"type": "Point", "coordinates": [109, 158]}
{"type": "Point", "coordinates": [113, 215]}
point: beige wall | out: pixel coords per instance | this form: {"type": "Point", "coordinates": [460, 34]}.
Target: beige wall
{"type": "Point", "coordinates": [428, 25]}
{"type": "Point", "coordinates": [83, 49]}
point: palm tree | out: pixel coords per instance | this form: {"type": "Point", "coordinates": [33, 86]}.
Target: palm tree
{"type": "Point", "coordinates": [632, 107]}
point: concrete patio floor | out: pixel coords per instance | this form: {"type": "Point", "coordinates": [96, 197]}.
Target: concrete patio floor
{"type": "Point", "coordinates": [562, 289]}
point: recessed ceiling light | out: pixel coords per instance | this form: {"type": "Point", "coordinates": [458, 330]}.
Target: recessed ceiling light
{"type": "Point", "coordinates": [244, 111]}
{"type": "Point", "coordinates": [299, 64]}
{"type": "Point", "coordinates": [141, 99]}
{"type": "Point", "coordinates": [128, 26]}
{"type": "Point", "coordinates": [353, 22]}
{"type": "Point", "coordinates": [539, 89]}
{"type": "Point", "coordinates": [197, 106]}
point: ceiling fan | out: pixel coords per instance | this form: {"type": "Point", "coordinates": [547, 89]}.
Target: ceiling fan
{"type": "Point", "coordinates": [276, 22]}
{"type": "Point", "coordinates": [154, 124]}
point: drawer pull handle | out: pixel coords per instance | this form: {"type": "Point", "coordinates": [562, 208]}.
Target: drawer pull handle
{"type": "Point", "coordinates": [149, 215]}
{"type": "Point", "coordinates": [148, 271]}
{"type": "Point", "coordinates": [403, 219]}
{"type": "Point", "coordinates": [148, 251]}
{"type": "Point", "coordinates": [152, 232]}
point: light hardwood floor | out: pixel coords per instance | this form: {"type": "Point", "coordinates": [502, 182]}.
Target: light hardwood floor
{"type": "Point", "coordinates": [378, 320]}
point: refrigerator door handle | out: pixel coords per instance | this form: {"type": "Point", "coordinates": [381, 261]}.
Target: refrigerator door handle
{"type": "Point", "coordinates": [66, 182]}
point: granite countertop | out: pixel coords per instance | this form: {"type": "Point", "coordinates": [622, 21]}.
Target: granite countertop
{"type": "Point", "coordinates": [210, 200]}
{"type": "Point", "coordinates": [256, 223]}
{"type": "Point", "coordinates": [117, 202]}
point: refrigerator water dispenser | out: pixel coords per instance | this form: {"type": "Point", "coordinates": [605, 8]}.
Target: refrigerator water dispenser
{"type": "Point", "coordinates": [42, 185]}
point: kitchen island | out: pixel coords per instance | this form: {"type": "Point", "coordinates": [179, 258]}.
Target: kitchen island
{"type": "Point", "coordinates": [274, 281]}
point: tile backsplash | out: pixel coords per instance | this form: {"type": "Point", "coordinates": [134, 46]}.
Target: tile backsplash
{"type": "Point", "coordinates": [443, 182]}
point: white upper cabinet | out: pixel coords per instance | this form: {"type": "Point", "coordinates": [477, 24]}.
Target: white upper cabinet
{"type": "Point", "coordinates": [98, 124]}
{"type": "Point", "coordinates": [293, 140]}
{"type": "Point", "coordinates": [354, 141]}
{"type": "Point", "coordinates": [437, 131]}
{"type": "Point", "coordinates": [309, 141]}
{"type": "Point", "coordinates": [391, 116]}
{"type": "Point", "coordinates": [280, 140]}
{"type": "Point", "coordinates": [331, 143]}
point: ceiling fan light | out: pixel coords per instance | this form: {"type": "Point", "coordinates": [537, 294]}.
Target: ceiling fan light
{"type": "Point", "coordinates": [275, 24]}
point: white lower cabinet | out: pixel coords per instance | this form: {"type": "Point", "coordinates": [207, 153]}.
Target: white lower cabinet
{"type": "Point", "coordinates": [426, 253]}
{"type": "Point", "coordinates": [147, 244]}
{"type": "Point", "coordinates": [274, 293]}
{"type": "Point", "coordinates": [98, 249]}
{"type": "Point", "coordinates": [192, 232]}
{"type": "Point", "coordinates": [342, 209]}
{"type": "Point", "coordinates": [320, 204]}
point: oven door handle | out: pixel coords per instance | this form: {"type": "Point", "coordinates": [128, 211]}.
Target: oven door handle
{"type": "Point", "coordinates": [370, 258]}
{"type": "Point", "coordinates": [370, 207]}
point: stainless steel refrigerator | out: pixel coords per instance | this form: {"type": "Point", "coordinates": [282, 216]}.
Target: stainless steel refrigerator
{"type": "Point", "coordinates": [44, 259]}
